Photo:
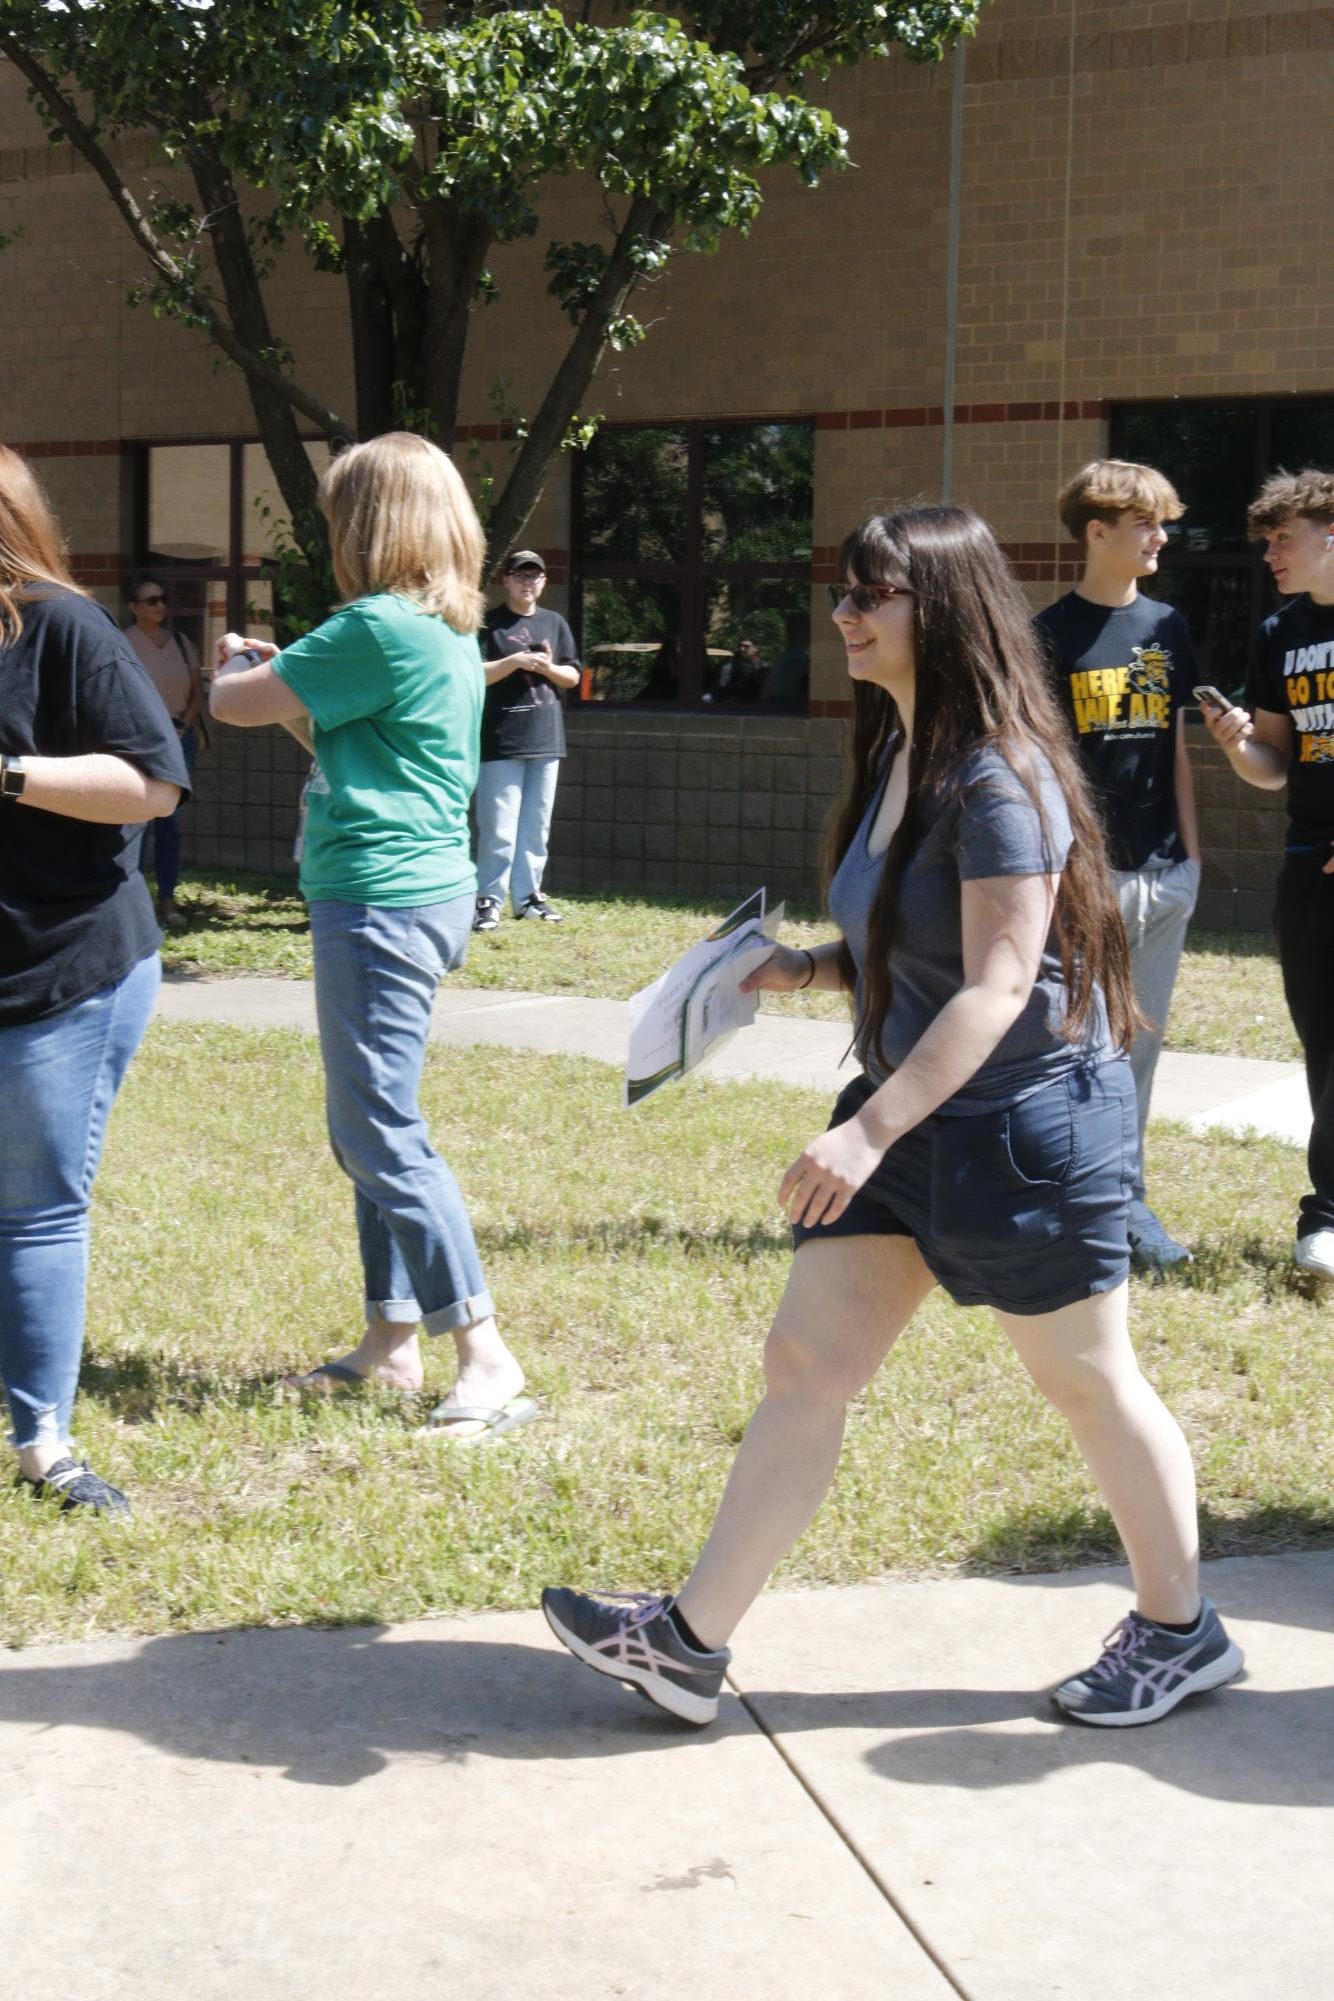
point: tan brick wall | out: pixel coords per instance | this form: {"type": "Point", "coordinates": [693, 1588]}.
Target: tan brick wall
{"type": "Point", "coordinates": [1143, 216]}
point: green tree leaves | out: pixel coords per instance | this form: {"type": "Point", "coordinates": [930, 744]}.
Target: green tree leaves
{"type": "Point", "coordinates": [397, 142]}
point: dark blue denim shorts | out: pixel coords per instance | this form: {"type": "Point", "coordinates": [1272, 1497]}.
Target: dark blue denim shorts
{"type": "Point", "coordinates": [1022, 1208]}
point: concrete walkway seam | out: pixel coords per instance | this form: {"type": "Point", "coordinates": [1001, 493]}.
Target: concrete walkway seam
{"type": "Point", "coordinates": [853, 1846]}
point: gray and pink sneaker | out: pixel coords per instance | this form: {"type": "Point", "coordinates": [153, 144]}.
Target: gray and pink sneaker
{"type": "Point", "coordinates": [630, 1636]}
{"type": "Point", "coordinates": [1145, 1671]}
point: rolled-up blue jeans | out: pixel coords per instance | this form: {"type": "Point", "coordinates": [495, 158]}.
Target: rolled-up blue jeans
{"type": "Point", "coordinates": [376, 972]}
{"type": "Point", "coordinates": [58, 1081]}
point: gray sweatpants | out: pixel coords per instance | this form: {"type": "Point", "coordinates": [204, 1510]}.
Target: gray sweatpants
{"type": "Point", "coordinates": [1156, 906]}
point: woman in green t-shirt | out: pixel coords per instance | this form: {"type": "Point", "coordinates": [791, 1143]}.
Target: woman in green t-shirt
{"type": "Point", "coordinates": [388, 694]}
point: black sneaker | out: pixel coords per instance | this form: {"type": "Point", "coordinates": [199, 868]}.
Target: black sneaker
{"type": "Point", "coordinates": [537, 906]}
{"type": "Point", "coordinates": [75, 1485]}
{"type": "Point", "coordinates": [1151, 1249]}
{"type": "Point", "coordinates": [1145, 1671]}
{"type": "Point", "coordinates": [629, 1636]}
{"type": "Point", "coordinates": [486, 917]}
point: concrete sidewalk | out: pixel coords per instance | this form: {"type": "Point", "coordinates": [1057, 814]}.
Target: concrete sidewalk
{"type": "Point", "coordinates": [886, 1810]}
{"type": "Point", "coordinates": [1235, 1093]}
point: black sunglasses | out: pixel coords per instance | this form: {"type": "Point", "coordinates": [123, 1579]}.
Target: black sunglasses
{"type": "Point", "coordinates": [154, 597]}
{"type": "Point", "coordinates": [864, 597]}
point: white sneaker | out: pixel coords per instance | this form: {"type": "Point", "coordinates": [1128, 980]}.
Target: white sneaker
{"type": "Point", "coordinates": [1315, 1253]}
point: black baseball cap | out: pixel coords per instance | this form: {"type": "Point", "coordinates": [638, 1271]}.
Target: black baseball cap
{"type": "Point", "coordinates": [523, 559]}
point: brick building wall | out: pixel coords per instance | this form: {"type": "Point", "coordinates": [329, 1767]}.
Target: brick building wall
{"type": "Point", "coordinates": [1141, 214]}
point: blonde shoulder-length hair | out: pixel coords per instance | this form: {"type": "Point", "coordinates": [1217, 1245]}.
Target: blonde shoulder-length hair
{"type": "Point", "coordinates": [32, 549]}
{"type": "Point", "coordinates": [401, 520]}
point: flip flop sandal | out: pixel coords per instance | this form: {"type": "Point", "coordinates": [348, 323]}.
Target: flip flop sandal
{"type": "Point", "coordinates": [335, 1378]}
{"type": "Point", "coordinates": [494, 1420]}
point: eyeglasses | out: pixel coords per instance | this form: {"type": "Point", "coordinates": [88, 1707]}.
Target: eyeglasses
{"type": "Point", "coordinates": [153, 597]}
{"type": "Point", "coordinates": [864, 597]}
{"type": "Point", "coordinates": [527, 570]}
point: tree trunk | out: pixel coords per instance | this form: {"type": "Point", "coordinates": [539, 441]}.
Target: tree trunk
{"type": "Point", "coordinates": [274, 416]}
{"type": "Point", "coordinates": [457, 244]}
{"type": "Point", "coordinates": [371, 319]}
{"type": "Point", "coordinates": [569, 385]}
{"type": "Point", "coordinates": [405, 292]}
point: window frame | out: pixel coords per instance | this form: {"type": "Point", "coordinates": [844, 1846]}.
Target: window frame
{"type": "Point", "coordinates": [1176, 556]}
{"type": "Point", "coordinates": [692, 571]}
{"type": "Point", "coordinates": [238, 576]}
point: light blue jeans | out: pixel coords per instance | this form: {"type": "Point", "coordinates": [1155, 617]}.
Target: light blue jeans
{"type": "Point", "coordinates": [515, 797]}
{"type": "Point", "coordinates": [376, 972]}
{"type": "Point", "coordinates": [58, 1081]}
{"type": "Point", "coordinates": [1156, 908]}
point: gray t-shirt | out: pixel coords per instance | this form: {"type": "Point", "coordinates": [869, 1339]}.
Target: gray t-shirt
{"type": "Point", "coordinates": [981, 823]}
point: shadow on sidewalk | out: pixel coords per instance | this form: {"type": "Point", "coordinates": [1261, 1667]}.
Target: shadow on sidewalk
{"type": "Point", "coordinates": [329, 1707]}
{"type": "Point", "coordinates": [1242, 1746]}
{"type": "Point", "coordinates": [1246, 1744]}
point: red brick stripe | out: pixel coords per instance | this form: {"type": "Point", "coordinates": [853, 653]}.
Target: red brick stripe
{"type": "Point", "coordinates": [71, 448]}
{"type": "Point", "coordinates": [921, 416]}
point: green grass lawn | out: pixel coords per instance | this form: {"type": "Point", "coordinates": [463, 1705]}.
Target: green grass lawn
{"type": "Point", "coordinates": [1228, 1001]}
{"type": "Point", "coordinates": [637, 1258]}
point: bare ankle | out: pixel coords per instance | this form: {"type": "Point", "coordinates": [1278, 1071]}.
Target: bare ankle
{"type": "Point", "coordinates": [36, 1461]}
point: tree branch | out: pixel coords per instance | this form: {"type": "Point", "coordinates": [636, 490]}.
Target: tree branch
{"type": "Point", "coordinates": [566, 392]}
{"type": "Point", "coordinates": [141, 229]}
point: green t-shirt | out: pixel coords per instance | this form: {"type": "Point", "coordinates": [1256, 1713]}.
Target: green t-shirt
{"type": "Point", "coordinates": [395, 700]}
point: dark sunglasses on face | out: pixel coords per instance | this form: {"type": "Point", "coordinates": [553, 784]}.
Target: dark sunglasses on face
{"type": "Point", "coordinates": [864, 597]}
{"type": "Point", "coordinates": [153, 597]}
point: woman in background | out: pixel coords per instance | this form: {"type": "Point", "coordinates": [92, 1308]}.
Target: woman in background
{"type": "Point", "coordinates": [172, 665]}
{"type": "Point", "coordinates": [391, 686]}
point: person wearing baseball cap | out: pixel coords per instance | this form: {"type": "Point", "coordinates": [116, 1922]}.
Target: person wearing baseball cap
{"type": "Point", "coordinates": [530, 659]}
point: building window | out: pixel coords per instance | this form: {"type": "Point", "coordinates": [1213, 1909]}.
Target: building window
{"type": "Point", "coordinates": [206, 515]}
{"type": "Point", "coordinates": [691, 580]}
{"type": "Point", "coordinates": [1216, 454]}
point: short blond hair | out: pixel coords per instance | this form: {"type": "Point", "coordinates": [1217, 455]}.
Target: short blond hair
{"type": "Point", "coordinates": [1105, 489]}
{"type": "Point", "coordinates": [1287, 496]}
{"type": "Point", "coordinates": [401, 520]}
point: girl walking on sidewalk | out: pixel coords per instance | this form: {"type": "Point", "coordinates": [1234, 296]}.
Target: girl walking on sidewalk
{"type": "Point", "coordinates": [988, 1145]}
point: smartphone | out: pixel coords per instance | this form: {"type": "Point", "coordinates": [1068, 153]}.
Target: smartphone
{"type": "Point", "coordinates": [1211, 699]}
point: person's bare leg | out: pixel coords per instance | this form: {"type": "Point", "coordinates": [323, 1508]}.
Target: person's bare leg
{"type": "Point", "coordinates": [488, 1377]}
{"type": "Point", "coordinates": [1082, 1361]}
{"type": "Point", "coordinates": [847, 1301]}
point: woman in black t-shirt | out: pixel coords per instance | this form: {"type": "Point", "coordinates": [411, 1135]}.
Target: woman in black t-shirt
{"type": "Point", "coordinates": [87, 754]}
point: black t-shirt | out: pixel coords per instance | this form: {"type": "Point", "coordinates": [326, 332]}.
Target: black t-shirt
{"type": "Point", "coordinates": [1292, 675]}
{"type": "Point", "coordinates": [523, 715]}
{"type": "Point", "coordinates": [1122, 674]}
{"type": "Point", "coordinates": [75, 913]}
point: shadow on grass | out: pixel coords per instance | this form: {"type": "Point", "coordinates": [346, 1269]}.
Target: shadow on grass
{"type": "Point", "coordinates": [1044, 1539]}
{"type": "Point", "coordinates": [137, 1386]}
{"type": "Point", "coordinates": [640, 1236]}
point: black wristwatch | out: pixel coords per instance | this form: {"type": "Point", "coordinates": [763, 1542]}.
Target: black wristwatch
{"type": "Point", "coordinates": [13, 777]}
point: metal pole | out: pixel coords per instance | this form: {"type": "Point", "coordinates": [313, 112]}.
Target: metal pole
{"type": "Point", "coordinates": [952, 270]}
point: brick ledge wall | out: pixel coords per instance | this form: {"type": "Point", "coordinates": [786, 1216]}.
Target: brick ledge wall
{"type": "Point", "coordinates": [703, 805]}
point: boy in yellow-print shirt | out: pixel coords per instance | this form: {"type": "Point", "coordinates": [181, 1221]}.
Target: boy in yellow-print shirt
{"type": "Point", "coordinates": [1123, 666]}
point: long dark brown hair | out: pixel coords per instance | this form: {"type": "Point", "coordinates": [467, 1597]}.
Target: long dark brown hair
{"type": "Point", "coordinates": [980, 681]}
